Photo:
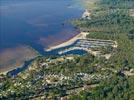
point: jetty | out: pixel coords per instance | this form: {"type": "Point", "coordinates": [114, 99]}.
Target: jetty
{"type": "Point", "coordinates": [82, 43]}
{"type": "Point", "coordinates": [92, 46]}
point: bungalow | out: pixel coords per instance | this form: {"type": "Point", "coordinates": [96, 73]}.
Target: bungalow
{"type": "Point", "coordinates": [86, 14]}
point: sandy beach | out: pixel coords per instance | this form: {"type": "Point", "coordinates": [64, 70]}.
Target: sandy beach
{"type": "Point", "coordinates": [81, 35]}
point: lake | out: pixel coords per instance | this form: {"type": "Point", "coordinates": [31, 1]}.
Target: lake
{"type": "Point", "coordinates": [27, 27]}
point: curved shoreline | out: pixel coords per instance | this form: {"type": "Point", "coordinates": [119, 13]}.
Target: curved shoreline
{"type": "Point", "coordinates": [81, 35]}
{"type": "Point", "coordinates": [29, 53]}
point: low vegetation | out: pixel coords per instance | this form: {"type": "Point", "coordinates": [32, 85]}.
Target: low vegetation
{"type": "Point", "coordinates": [84, 77]}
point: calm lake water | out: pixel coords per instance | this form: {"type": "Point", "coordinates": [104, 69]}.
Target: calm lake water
{"type": "Point", "coordinates": [35, 23]}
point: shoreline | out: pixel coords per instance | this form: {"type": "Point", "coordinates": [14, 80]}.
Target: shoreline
{"type": "Point", "coordinates": [81, 35]}
{"type": "Point", "coordinates": [11, 69]}
{"type": "Point", "coordinates": [20, 63]}
{"type": "Point", "coordinates": [18, 69]}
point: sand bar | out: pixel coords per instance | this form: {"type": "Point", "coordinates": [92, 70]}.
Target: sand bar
{"type": "Point", "coordinates": [81, 35]}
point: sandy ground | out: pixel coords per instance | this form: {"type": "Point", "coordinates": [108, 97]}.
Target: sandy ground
{"type": "Point", "coordinates": [82, 35]}
{"type": "Point", "coordinates": [131, 11]}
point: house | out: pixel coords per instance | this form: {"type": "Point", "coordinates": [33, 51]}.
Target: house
{"type": "Point", "coordinates": [86, 14]}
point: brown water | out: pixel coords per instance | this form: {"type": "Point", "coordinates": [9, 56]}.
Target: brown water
{"type": "Point", "coordinates": [30, 24]}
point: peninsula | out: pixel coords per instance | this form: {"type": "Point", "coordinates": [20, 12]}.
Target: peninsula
{"type": "Point", "coordinates": [81, 35]}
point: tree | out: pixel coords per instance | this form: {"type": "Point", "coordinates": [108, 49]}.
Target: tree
{"type": "Point", "coordinates": [131, 34]}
